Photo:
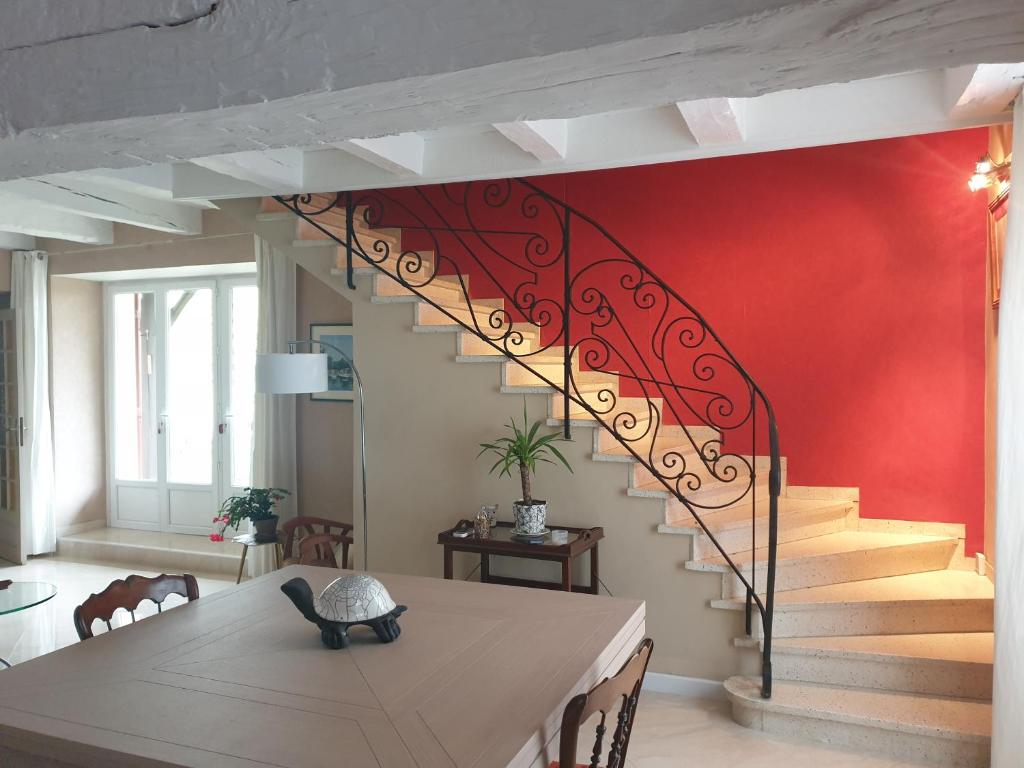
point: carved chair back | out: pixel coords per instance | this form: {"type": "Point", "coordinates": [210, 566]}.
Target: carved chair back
{"type": "Point", "coordinates": [127, 594]}
{"type": "Point", "coordinates": [615, 699]}
{"type": "Point", "coordinates": [320, 549]}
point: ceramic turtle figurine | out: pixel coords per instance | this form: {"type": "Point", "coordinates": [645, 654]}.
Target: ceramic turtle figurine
{"type": "Point", "coordinates": [356, 598]}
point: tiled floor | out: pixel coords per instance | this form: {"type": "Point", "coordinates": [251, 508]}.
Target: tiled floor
{"type": "Point", "coordinates": [669, 731]}
{"type": "Point", "coordinates": [674, 732]}
{"type": "Point", "coordinates": [47, 627]}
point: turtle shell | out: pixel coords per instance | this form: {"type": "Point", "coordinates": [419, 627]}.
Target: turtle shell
{"type": "Point", "coordinates": [352, 598]}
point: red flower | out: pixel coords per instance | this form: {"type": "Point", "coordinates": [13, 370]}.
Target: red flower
{"type": "Point", "coordinates": [216, 537]}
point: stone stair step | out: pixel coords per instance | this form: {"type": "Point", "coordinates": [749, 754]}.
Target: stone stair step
{"type": "Point", "coordinates": [934, 730]}
{"type": "Point", "coordinates": [939, 664]}
{"type": "Point", "coordinates": [936, 601]}
{"type": "Point", "coordinates": [834, 558]}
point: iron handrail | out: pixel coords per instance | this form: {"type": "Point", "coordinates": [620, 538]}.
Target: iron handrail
{"type": "Point", "coordinates": [529, 262]}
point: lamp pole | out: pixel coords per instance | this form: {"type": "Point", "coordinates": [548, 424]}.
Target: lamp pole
{"type": "Point", "coordinates": [292, 346]}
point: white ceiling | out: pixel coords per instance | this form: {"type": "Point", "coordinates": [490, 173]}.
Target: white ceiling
{"type": "Point", "coordinates": [170, 197]}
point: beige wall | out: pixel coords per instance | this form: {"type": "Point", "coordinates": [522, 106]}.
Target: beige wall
{"type": "Point", "coordinates": [426, 416]}
{"type": "Point", "coordinates": [324, 429]}
{"type": "Point", "coordinates": [222, 242]}
{"type": "Point", "coordinates": [76, 354]}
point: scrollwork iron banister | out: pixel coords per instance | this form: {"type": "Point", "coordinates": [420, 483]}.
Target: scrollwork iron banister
{"type": "Point", "coordinates": [566, 300]}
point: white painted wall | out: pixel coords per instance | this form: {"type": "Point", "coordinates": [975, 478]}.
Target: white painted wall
{"type": "Point", "coordinates": [1008, 695]}
{"type": "Point", "coordinates": [253, 74]}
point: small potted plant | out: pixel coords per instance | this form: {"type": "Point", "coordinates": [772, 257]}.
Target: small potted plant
{"type": "Point", "coordinates": [522, 451]}
{"type": "Point", "coordinates": [255, 504]}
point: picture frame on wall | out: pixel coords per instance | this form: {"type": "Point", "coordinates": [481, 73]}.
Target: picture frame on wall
{"type": "Point", "coordinates": [340, 379]}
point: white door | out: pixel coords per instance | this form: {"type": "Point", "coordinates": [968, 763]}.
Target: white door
{"type": "Point", "coordinates": [12, 535]}
{"type": "Point", "coordinates": [171, 366]}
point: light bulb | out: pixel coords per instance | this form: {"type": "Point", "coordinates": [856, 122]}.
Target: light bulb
{"type": "Point", "coordinates": [983, 166]}
{"type": "Point", "coordinates": [978, 182]}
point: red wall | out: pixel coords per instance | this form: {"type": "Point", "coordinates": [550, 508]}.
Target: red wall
{"type": "Point", "coordinates": [850, 282]}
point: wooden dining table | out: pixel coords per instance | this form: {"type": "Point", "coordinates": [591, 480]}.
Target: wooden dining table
{"type": "Point", "coordinates": [478, 677]}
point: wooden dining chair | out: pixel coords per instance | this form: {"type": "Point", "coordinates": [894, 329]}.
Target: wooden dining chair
{"type": "Point", "coordinates": [128, 594]}
{"type": "Point", "coordinates": [305, 545]}
{"type": "Point", "coordinates": [617, 696]}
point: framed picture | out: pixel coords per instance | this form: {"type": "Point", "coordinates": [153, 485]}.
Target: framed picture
{"type": "Point", "coordinates": [340, 380]}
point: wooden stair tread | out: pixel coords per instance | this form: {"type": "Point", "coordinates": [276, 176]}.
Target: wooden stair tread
{"type": "Point", "coordinates": [903, 712]}
{"type": "Point", "coordinates": [841, 542]}
{"type": "Point", "coordinates": [967, 647]}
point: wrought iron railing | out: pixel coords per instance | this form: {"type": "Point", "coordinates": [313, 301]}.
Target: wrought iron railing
{"type": "Point", "coordinates": [588, 318]}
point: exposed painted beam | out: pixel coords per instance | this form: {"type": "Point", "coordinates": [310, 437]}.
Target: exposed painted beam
{"type": "Point", "coordinates": [155, 181]}
{"type": "Point", "coordinates": [274, 170]}
{"type": "Point", "coordinates": [547, 140]}
{"type": "Point", "coordinates": [317, 78]}
{"type": "Point", "coordinates": [12, 241]}
{"type": "Point", "coordinates": [715, 121]}
{"type": "Point", "coordinates": [29, 218]}
{"type": "Point", "coordinates": [401, 154]}
{"type": "Point", "coordinates": [192, 182]}
{"type": "Point", "coordinates": [878, 108]}
{"type": "Point", "coordinates": [984, 89]}
{"type": "Point", "coordinates": [75, 196]}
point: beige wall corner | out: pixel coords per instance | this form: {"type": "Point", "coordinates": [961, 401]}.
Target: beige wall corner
{"type": "Point", "coordinates": [324, 438]}
{"type": "Point", "coordinates": [76, 364]}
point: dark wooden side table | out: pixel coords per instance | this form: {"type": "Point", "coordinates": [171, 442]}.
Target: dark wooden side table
{"type": "Point", "coordinates": [502, 543]}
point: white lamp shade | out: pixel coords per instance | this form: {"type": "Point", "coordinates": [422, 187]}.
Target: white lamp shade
{"type": "Point", "coordinates": [291, 373]}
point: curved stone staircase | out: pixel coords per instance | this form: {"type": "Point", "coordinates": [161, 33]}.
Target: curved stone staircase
{"type": "Point", "coordinates": [882, 629]}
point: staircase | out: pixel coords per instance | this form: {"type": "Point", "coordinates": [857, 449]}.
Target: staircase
{"type": "Point", "coordinates": [877, 633]}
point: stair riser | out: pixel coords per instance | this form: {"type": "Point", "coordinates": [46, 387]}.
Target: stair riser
{"type": "Point", "coordinates": [471, 344]}
{"type": "Point", "coordinates": [885, 618]}
{"type": "Point", "coordinates": [676, 510]}
{"type": "Point", "coordinates": [848, 566]}
{"type": "Point", "coordinates": [642, 475]}
{"type": "Point", "coordinates": [335, 224]}
{"type": "Point", "coordinates": [964, 680]}
{"type": "Point", "coordinates": [673, 435]}
{"type": "Point", "coordinates": [479, 317]}
{"type": "Point", "coordinates": [792, 527]}
{"type": "Point", "coordinates": [437, 289]}
{"type": "Point", "coordinates": [413, 269]}
{"type": "Point", "coordinates": [929, 750]}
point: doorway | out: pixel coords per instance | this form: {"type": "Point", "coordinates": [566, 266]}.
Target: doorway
{"type": "Point", "coordinates": [180, 371]}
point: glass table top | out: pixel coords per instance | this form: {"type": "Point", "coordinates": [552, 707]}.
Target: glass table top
{"type": "Point", "coordinates": [24, 594]}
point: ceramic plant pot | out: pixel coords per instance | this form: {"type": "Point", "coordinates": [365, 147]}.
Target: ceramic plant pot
{"type": "Point", "coordinates": [265, 530]}
{"type": "Point", "coordinates": [530, 518]}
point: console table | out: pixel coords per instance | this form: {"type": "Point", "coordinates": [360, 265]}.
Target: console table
{"type": "Point", "coordinates": [501, 542]}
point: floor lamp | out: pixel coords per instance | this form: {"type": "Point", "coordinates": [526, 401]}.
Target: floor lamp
{"type": "Point", "coordinates": [294, 373]}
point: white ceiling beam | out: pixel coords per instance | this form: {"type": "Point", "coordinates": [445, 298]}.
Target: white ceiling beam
{"type": "Point", "coordinates": [155, 181]}
{"type": "Point", "coordinates": [13, 241]}
{"type": "Point", "coordinates": [715, 121]}
{"type": "Point", "coordinates": [80, 197]}
{"type": "Point", "coordinates": [190, 182]}
{"type": "Point", "coordinates": [902, 105]}
{"type": "Point", "coordinates": [983, 89]}
{"type": "Point", "coordinates": [546, 140]}
{"type": "Point", "coordinates": [27, 217]}
{"type": "Point", "coordinates": [401, 154]}
{"type": "Point", "coordinates": [273, 169]}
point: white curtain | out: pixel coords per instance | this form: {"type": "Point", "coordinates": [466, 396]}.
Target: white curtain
{"type": "Point", "coordinates": [1008, 696]}
{"type": "Point", "coordinates": [274, 456]}
{"type": "Point", "coordinates": [29, 273]}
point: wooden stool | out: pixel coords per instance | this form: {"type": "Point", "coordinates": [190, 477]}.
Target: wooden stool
{"type": "Point", "coordinates": [249, 540]}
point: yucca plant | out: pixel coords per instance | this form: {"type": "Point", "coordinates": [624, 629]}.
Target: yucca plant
{"type": "Point", "coordinates": [523, 450]}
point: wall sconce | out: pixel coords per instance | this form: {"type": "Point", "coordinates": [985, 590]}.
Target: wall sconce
{"type": "Point", "coordinates": [988, 174]}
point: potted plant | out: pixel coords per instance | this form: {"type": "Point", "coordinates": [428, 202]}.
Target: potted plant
{"type": "Point", "coordinates": [255, 504]}
{"type": "Point", "coordinates": [522, 451]}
